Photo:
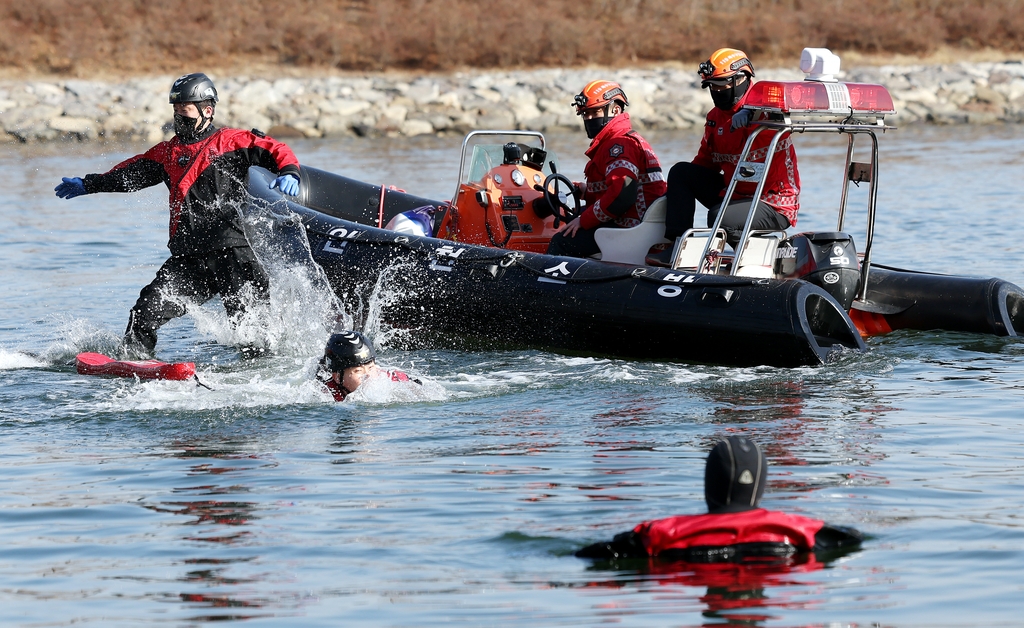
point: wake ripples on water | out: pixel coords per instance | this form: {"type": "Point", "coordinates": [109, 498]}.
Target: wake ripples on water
{"type": "Point", "coordinates": [132, 502]}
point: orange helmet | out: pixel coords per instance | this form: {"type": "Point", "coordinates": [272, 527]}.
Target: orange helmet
{"type": "Point", "coordinates": [724, 63]}
{"type": "Point", "coordinates": [599, 94]}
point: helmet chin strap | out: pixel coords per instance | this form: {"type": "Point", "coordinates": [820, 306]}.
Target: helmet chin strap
{"type": "Point", "coordinates": [340, 381]}
{"type": "Point", "coordinates": [203, 121]}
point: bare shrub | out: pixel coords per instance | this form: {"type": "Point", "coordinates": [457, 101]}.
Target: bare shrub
{"type": "Point", "coordinates": [125, 36]}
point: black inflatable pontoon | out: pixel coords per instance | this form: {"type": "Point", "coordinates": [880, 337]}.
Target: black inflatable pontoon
{"type": "Point", "coordinates": [464, 296]}
{"type": "Point", "coordinates": [903, 299]}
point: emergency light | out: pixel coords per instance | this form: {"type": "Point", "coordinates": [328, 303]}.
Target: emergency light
{"type": "Point", "coordinates": [813, 97]}
{"type": "Point", "coordinates": [820, 93]}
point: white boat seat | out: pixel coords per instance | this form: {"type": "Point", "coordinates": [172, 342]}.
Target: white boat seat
{"type": "Point", "coordinates": [686, 255]}
{"type": "Point", "coordinates": [630, 245]}
{"type": "Point", "coordinates": [758, 258]}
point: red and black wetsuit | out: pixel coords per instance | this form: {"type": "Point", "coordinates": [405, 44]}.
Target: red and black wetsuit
{"type": "Point", "coordinates": [340, 393]}
{"type": "Point", "coordinates": [206, 179]}
{"type": "Point", "coordinates": [709, 538]}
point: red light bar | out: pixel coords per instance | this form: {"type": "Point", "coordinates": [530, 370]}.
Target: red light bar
{"type": "Point", "coordinates": [819, 98]}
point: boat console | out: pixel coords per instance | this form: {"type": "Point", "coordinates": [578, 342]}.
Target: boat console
{"type": "Point", "coordinates": [501, 200]}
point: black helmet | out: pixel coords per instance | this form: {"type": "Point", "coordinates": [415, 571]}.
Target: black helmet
{"type": "Point", "coordinates": [193, 88]}
{"type": "Point", "coordinates": [348, 349]}
{"type": "Point", "coordinates": [734, 477]}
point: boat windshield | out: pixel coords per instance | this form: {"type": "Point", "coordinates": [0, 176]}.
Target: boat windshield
{"type": "Point", "coordinates": [486, 156]}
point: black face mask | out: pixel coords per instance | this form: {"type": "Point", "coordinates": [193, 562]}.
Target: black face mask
{"type": "Point", "coordinates": [185, 127]}
{"type": "Point", "coordinates": [727, 98]}
{"type": "Point", "coordinates": [593, 126]}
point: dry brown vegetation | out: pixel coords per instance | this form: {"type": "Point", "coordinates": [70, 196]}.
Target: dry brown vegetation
{"type": "Point", "coordinates": [80, 37]}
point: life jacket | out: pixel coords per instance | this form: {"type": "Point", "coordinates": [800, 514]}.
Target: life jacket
{"type": "Point", "coordinates": [398, 376]}
{"type": "Point", "coordinates": [753, 526]}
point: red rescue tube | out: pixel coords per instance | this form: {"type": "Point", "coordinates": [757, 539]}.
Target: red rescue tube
{"type": "Point", "coordinates": [99, 364]}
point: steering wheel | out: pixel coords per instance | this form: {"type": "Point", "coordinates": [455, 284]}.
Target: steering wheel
{"type": "Point", "coordinates": [555, 197]}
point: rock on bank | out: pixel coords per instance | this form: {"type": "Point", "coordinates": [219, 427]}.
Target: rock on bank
{"type": "Point", "coordinates": [662, 98]}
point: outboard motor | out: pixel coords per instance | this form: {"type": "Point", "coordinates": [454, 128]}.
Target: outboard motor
{"type": "Point", "coordinates": [828, 260]}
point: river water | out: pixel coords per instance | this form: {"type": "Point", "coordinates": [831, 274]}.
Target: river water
{"type": "Point", "coordinates": [164, 503]}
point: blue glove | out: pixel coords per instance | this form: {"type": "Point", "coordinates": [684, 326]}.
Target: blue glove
{"type": "Point", "coordinates": [741, 119]}
{"type": "Point", "coordinates": [287, 183]}
{"type": "Point", "coordinates": [70, 188]}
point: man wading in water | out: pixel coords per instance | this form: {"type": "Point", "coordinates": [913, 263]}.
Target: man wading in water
{"type": "Point", "coordinates": [206, 169]}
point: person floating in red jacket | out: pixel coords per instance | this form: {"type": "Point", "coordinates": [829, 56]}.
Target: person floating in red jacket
{"type": "Point", "coordinates": [206, 169]}
{"type": "Point", "coordinates": [735, 527]}
{"type": "Point", "coordinates": [349, 361]}
{"type": "Point", "coordinates": [623, 175]}
{"type": "Point", "coordinates": [728, 74]}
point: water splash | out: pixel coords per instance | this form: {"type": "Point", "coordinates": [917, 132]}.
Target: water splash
{"type": "Point", "coordinates": [386, 294]}
{"type": "Point", "coordinates": [278, 383]}
{"type": "Point", "coordinates": [302, 309]}
{"type": "Point", "coordinates": [10, 360]}
{"type": "Point", "coordinates": [75, 335]}
{"type": "Point", "coordinates": [383, 390]}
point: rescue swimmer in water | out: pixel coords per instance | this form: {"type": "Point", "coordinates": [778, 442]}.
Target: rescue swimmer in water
{"type": "Point", "coordinates": [349, 361]}
{"type": "Point", "coordinates": [735, 528]}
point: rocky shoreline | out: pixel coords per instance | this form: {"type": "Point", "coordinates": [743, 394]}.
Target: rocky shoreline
{"type": "Point", "coordinates": [392, 105]}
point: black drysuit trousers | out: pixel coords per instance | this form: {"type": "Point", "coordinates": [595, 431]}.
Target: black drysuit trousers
{"type": "Point", "coordinates": [689, 183]}
{"type": "Point", "coordinates": [194, 279]}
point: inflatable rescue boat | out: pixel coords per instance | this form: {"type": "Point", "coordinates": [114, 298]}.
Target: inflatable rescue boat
{"type": "Point", "coordinates": [475, 274]}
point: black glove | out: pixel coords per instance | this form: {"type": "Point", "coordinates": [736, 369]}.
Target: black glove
{"type": "Point", "coordinates": [741, 119]}
{"type": "Point", "coordinates": [541, 206]}
{"type": "Point", "coordinates": [624, 545]}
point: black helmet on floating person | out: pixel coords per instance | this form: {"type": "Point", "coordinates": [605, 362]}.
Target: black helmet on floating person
{"type": "Point", "coordinates": [347, 349]}
{"type": "Point", "coordinates": [735, 475]}
{"type": "Point", "coordinates": [724, 68]}
{"type": "Point", "coordinates": [196, 87]}
{"type": "Point", "coordinates": [599, 94]}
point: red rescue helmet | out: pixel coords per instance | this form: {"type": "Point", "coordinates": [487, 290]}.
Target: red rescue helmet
{"type": "Point", "coordinates": [724, 64]}
{"type": "Point", "coordinates": [599, 93]}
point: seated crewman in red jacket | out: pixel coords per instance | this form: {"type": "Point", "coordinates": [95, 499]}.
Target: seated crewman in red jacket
{"type": "Point", "coordinates": [727, 75]}
{"type": "Point", "coordinates": [735, 527]}
{"type": "Point", "coordinates": [623, 174]}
